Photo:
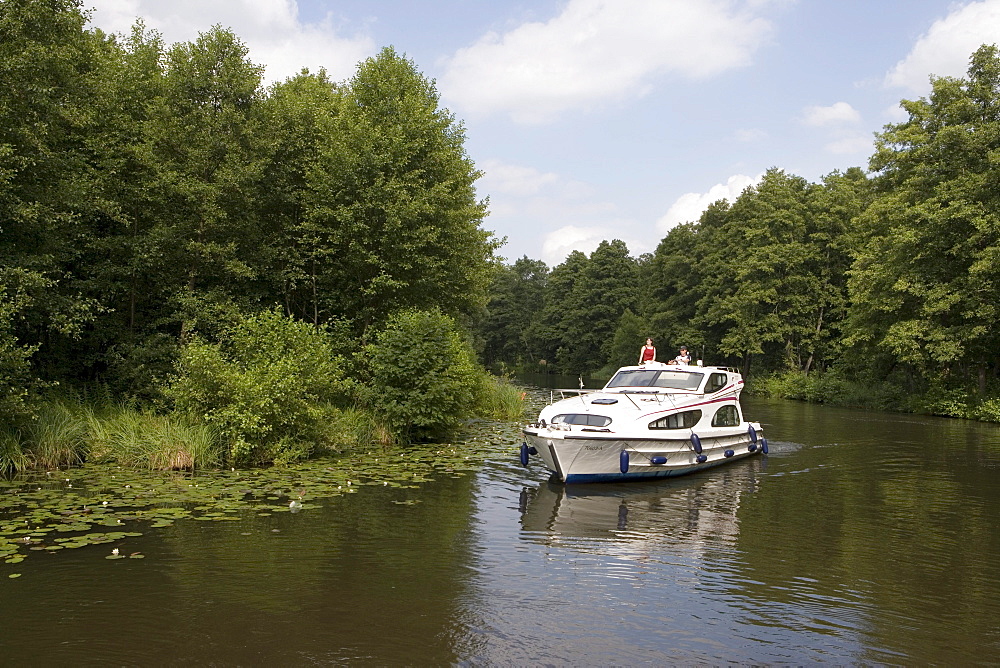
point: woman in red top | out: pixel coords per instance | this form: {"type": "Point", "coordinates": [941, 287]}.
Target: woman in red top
{"type": "Point", "coordinates": [647, 353]}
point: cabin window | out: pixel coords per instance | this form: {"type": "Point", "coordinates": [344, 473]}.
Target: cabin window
{"type": "Point", "coordinates": [684, 420]}
{"type": "Point", "coordinates": [667, 378]}
{"type": "Point", "coordinates": [716, 382]}
{"type": "Point", "coordinates": [633, 379]}
{"type": "Point", "coordinates": [679, 380]}
{"type": "Point", "coordinates": [582, 419]}
{"type": "Point", "coordinates": [726, 416]}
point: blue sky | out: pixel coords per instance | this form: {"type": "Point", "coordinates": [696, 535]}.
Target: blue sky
{"type": "Point", "coordinates": [617, 119]}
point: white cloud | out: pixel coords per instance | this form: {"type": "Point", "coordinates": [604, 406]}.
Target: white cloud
{"type": "Point", "coordinates": [836, 114]}
{"type": "Point", "coordinates": [562, 242]}
{"type": "Point", "coordinates": [270, 29]}
{"type": "Point", "coordinates": [599, 51]}
{"type": "Point", "coordinates": [945, 48]}
{"type": "Point", "coordinates": [514, 180]}
{"type": "Point", "coordinates": [690, 206]}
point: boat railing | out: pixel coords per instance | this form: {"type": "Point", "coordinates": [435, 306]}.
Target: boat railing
{"type": "Point", "coordinates": [568, 392]}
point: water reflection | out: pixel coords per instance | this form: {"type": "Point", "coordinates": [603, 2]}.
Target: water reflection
{"type": "Point", "coordinates": [689, 512]}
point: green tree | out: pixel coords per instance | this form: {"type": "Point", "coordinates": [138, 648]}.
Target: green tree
{"type": "Point", "coordinates": [671, 284]}
{"type": "Point", "coordinates": [509, 328]}
{"type": "Point", "coordinates": [47, 64]}
{"type": "Point", "coordinates": [562, 302]}
{"type": "Point", "coordinates": [393, 198]}
{"type": "Point", "coordinates": [924, 285]}
{"type": "Point", "coordinates": [201, 138]}
{"type": "Point", "coordinates": [759, 291]}
{"type": "Point", "coordinates": [834, 207]}
{"type": "Point", "coordinates": [298, 124]}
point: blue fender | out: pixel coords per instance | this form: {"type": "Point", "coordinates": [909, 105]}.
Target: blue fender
{"type": "Point", "coordinates": [524, 454]}
{"type": "Point", "coordinates": [729, 453]}
{"type": "Point", "coordinates": [763, 445]}
{"type": "Point", "coordinates": [658, 460]}
{"type": "Point", "coordinates": [753, 434]}
{"type": "Point", "coordinates": [696, 443]}
{"type": "Point", "coordinates": [623, 461]}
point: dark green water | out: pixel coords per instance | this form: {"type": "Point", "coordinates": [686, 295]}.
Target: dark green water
{"type": "Point", "coordinates": [860, 539]}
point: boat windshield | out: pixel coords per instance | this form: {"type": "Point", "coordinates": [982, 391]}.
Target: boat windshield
{"type": "Point", "coordinates": [668, 378]}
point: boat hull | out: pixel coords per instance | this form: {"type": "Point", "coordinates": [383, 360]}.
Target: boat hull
{"type": "Point", "coordinates": [577, 458]}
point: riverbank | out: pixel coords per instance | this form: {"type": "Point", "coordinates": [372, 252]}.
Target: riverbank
{"type": "Point", "coordinates": [67, 431]}
{"type": "Point", "coordinates": [832, 388]}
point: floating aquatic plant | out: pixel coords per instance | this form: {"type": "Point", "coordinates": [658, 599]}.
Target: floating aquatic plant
{"type": "Point", "coordinates": [94, 504]}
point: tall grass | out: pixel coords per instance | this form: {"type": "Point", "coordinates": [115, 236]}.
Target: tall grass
{"type": "Point", "coordinates": [140, 439]}
{"type": "Point", "coordinates": [12, 457]}
{"type": "Point", "coordinates": [502, 399]}
{"type": "Point", "coordinates": [58, 436]}
{"type": "Point", "coordinates": [69, 431]}
{"type": "Point", "coordinates": [353, 428]}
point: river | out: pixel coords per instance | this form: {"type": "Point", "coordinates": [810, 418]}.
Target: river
{"type": "Point", "coordinates": [861, 538]}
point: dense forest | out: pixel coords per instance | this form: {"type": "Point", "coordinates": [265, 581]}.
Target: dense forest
{"type": "Point", "coordinates": [264, 260]}
{"type": "Point", "coordinates": [876, 288]}
{"type": "Point", "coordinates": [196, 268]}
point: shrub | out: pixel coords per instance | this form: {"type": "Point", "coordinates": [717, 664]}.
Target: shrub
{"type": "Point", "coordinates": [830, 387]}
{"type": "Point", "coordinates": [424, 380]}
{"type": "Point", "coordinates": [16, 382]}
{"type": "Point", "coordinates": [986, 411]}
{"type": "Point", "coordinates": [264, 386]}
{"type": "Point", "coordinates": [939, 399]}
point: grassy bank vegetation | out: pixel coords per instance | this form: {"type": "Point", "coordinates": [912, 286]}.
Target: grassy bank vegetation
{"type": "Point", "coordinates": [941, 396]}
{"type": "Point", "coordinates": [270, 390]}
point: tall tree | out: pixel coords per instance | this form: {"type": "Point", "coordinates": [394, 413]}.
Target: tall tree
{"type": "Point", "coordinates": [47, 82]}
{"type": "Point", "coordinates": [509, 328]}
{"type": "Point", "coordinates": [298, 123]}
{"type": "Point", "coordinates": [759, 290]}
{"type": "Point", "coordinates": [201, 136]}
{"type": "Point", "coordinates": [925, 287]}
{"type": "Point", "coordinates": [394, 194]}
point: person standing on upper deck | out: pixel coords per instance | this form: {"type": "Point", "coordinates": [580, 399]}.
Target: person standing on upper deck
{"type": "Point", "coordinates": [647, 353]}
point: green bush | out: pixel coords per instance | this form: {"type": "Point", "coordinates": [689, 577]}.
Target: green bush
{"type": "Point", "coordinates": [264, 386]}
{"type": "Point", "coordinates": [424, 379]}
{"type": "Point", "coordinates": [830, 387]}
{"type": "Point", "coordinates": [986, 411]}
{"type": "Point", "coordinates": [939, 399]}
{"type": "Point", "coordinates": [15, 379]}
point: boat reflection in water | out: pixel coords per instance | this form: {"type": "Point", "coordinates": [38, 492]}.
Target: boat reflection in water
{"type": "Point", "coordinates": [686, 513]}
